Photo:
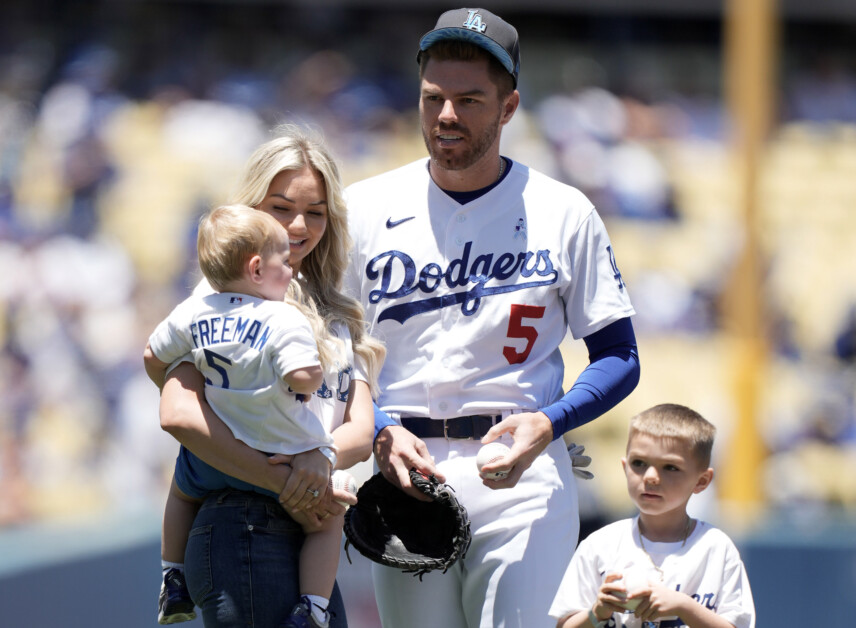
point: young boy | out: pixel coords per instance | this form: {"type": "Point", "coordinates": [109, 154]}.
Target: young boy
{"type": "Point", "coordinates": [661, 568]}
{"type": "Point", "coordinates": [260, 359]}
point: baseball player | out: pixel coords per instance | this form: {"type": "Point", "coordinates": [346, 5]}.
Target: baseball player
{"type": "Point", "coordinates": [472, 267]}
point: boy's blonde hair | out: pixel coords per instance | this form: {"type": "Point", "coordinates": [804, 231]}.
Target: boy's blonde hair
{"type": "Point", "coordinates": [670, 420]}
{"type": "Point", "coordinates": [229, 236]}
{"type": "Point", "coordinates": [317, 292]}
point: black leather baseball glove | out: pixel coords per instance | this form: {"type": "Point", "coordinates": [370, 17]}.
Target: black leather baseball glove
{"type": "Point", "coordinates": [390, 527]}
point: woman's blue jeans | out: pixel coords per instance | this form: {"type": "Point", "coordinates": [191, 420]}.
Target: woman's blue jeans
{"type": "Point", "coordinates": [242, 563]}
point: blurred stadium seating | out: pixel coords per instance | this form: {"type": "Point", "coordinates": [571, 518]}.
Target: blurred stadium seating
{"type": "Point", "coordinates": [121, 121]}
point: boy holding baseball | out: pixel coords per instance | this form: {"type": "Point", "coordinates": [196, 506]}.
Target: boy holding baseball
{"type": "Point", "coordinates": [261, 361]}
{"type": "Point", "coordinates": [661, 568]}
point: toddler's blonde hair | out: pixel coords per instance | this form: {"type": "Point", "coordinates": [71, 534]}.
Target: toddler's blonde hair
{"type": "Point", "coordinates": [229, 236]}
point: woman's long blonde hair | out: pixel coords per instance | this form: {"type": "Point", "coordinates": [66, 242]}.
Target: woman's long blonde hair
{"type": "Point", "coordinates": [318, 293]}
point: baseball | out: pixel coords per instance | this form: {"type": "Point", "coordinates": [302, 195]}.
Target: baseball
{"type": "Point", "coordinates": [343, 481]}
{"type": "Point", "coordinates": [635, 578]}
{"type": "Point", "coordinates": [491, 453]}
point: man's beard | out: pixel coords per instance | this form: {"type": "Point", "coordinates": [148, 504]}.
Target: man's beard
{"type": "Point", "coordinates": [456, 160]}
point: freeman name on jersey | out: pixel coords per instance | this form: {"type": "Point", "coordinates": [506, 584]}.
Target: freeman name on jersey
{"type": "Point", "coordinates": [219, 329]}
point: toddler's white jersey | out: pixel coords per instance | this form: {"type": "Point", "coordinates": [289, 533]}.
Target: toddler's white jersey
{"type": "Point", "coordinates": [244, 346]}
{"type": "Point", "coordinates": [474, 300]}
{"type": "Point", "coordinates": [708, 568]}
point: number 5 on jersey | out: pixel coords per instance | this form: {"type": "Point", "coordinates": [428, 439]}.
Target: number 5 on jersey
{"type": "Point", "coordinates": [210, 358]}
{"type": "Point", "coordinates": [516, 329]}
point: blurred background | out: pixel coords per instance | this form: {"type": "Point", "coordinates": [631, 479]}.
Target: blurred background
{"type": "Point", "coordinates": [716, 138]}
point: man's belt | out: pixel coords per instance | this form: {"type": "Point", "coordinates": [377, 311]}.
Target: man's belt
{"type": "Point", "coordinates": [474, 426]}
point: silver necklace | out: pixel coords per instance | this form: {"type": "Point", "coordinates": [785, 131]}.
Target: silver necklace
{"type": "Point", "coordinates": [501, 168]}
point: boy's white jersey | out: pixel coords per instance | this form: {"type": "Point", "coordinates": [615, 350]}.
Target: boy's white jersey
{"type": "Point", "coordinates": [244, 346]}
{"type": "Point", "coordinates": [708, 568]}
{"type": "Point", "coordinates": [474, 300]}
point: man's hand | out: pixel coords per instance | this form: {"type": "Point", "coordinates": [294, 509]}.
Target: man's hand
{"type": "Point", "coordinates": [396, 452]}
{"type": "Point", "coordinates": [531, 432]}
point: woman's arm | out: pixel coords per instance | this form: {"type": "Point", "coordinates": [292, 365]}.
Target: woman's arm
{"type": "Point", "coordinates": [186, 415]}
{"type": "Point", "coordinates": [353, 440]}
{"type": "Point", "coordinates": [354, 437]}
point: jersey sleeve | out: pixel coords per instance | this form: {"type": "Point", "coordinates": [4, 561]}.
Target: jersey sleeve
{"type": "Point", "coordinates": [381, 420]}
{"type": "Point", "coordinates": [360, 369]}
{"type": "Point", "coordinates": [596, 296]}
{"type": "Point", "coordinates": [736, 604]}
{"type": "Point", "coordinates": [612, 374]}
{"type": "Point", "coordinates": [295, 346]}
{"type": "Point", "coordinates": [170, 341]}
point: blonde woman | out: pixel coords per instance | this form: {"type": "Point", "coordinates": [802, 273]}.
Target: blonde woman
{"type": "Point", "coordinates": [242, 564]}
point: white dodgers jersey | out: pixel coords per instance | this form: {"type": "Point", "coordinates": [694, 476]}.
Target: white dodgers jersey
{"type": "Point", "coordinates": [707, 567]}
{"type": "Point", "coordinates": [244, 346]}
{"type": "Point", "coordinates": [474, 300]}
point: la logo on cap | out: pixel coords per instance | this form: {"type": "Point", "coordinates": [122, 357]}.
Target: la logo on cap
{"type": "Point", "coordinates": [474, 21]}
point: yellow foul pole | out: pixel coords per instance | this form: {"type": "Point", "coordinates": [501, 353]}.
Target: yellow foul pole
{"type": "Point", "coordinates": [751, 40]}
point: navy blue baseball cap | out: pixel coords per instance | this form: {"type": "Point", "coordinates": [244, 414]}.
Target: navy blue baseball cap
{"type": "Point", "coordinates": [482, 28]}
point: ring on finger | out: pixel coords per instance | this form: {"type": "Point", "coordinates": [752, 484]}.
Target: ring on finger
{"type": "Point", "coordinates": [313, 492]}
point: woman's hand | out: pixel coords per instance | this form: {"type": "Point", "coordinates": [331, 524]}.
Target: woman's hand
{"type": "Point", "coordinates": [333, 503]}
{"type": "Point", "coordinates": [313, 519]}
{"type": "Point", "coordinates": [310, 472]}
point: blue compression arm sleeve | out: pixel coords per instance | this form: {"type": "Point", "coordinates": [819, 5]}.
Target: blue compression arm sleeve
{"type": "Point", "coordinates": [381, 420]}
{"type": "Point", "coordinates": [611, 375]}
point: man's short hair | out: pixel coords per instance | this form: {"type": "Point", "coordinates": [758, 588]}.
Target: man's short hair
{"type": "Point", "coordinates": [456, 50]}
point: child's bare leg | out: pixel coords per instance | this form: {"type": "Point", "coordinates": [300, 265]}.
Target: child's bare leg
{"type": "Point", "coordinates": [178, 516]}
{"type": "Point", "coordinates": [174, 602]}
{"type": "Point", "coordinates": [319, 558]}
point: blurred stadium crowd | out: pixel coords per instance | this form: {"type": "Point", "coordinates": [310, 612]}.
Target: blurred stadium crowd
{"type": "Point", "coordinates": [121, 122]}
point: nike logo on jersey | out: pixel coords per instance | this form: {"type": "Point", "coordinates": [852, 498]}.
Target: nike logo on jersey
{"type": "Point", "coordinates": [459, 274]}
{"type": "Point", "coordinates": [390, 223]}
